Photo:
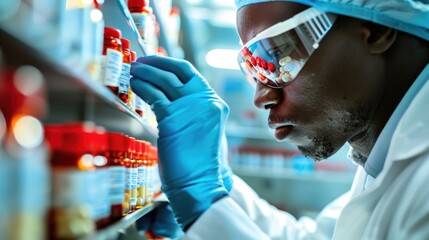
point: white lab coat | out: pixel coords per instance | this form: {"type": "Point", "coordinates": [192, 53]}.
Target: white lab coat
{"type": "Point", "coordinates": [395, 205]}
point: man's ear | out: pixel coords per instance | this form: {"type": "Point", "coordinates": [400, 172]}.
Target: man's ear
{"type": "Point", "coordinates": [377, 37]}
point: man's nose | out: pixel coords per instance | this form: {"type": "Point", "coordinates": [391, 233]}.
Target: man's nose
{"type": "Point", "coordinates": [265, 97]}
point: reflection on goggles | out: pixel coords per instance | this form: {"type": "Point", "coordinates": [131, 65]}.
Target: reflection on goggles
{"type": "Point", "coordinates": [276, 55]}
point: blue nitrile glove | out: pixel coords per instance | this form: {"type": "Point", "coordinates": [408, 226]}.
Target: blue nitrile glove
{"type": "Point", "coordinates": [191, 119]}
{"type": "Point", "coordinates": [160, 222]}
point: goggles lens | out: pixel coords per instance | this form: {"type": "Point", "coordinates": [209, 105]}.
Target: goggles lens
{"type": "Point", "coordinates": [276, 55]}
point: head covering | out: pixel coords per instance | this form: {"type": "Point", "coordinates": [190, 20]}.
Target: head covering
{"type": "Point", "coordinates": [411, 16]}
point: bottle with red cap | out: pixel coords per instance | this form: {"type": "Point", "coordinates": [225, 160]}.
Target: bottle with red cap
{"type": "Point", "coordinates": [100, 200]}
{"type": "Point", "coordinates": [72, 164]}
{"type": "Point", "coordinates": [144, 19]}
{"type": "Point", "coordinates": [138, 102]}
{"type": "Point", "coordinates": [150, 176]}
{"type": "Point", "coordinates": [131, 171]}
{"type": "Point", "coordinates": [111, 66]}
{"type": "Point", "coordinates": [142, 171]}
{"type": "Point", "coordinates": [124, 80]}
{"type": "Point", "coordinates": [115, 156]}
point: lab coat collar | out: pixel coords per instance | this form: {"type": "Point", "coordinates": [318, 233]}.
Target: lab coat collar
{"type": "Point", "coordinates": [411, 137]}
{"type": "Point", "coordinates": [375, 162]}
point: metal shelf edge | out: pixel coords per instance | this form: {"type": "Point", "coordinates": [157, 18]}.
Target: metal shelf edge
{"type": "Point", "coordinates": [125, 222]}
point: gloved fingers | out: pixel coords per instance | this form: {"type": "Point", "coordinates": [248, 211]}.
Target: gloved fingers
{"type": "Point", "coordinates": [181, 68]}
{"type": "Point", "coordinates": [165, 224]}
{"type": "Point", "coordinates": [165, 81]}
{"type": "Point", "coordinates": [145, 223]}
{"type": "Point", "coordinates": [147, 92]}
{"type": "Point", "coordinates": [152, 95]}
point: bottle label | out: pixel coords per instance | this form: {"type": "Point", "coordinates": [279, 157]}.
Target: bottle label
{"type": "Point", "coordinates": [71, 188]}
{"type": "Point", "coordinates": [124, 80]}
{"type": "Point", "coordinates": [131, 178]}
{"type": "Point", "coordinates": [100, 201]}
{"type": "Point", "coordinates": [117, 184]}
{"type": "Point", "coordinates": [111, 67]}
{"type": "Point", "coordinates": [142, 172]}
{"type": "Point", "coordinates": [140, 21]}
{"type": "Point", "coordinates": [138, 102]}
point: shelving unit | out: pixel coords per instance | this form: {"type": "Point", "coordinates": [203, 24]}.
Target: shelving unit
{"type": "Point", "coordinates": [290, 174]}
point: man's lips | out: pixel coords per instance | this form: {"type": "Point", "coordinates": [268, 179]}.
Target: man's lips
{"type": "Point", "coordinates": [282, 132]}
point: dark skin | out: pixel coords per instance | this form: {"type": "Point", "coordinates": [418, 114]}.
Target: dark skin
{"type": "Point", "coordinates": [347, 90]}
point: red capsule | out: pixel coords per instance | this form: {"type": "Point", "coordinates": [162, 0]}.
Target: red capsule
{"type": "Point", "coordinates": [258, 61]}
{"type": "Point", "coordinates": [271, 66]}
{"type": "Point", "coordinates": [253, 60]}
{"type": "Point", "coordinates": [264, 64]}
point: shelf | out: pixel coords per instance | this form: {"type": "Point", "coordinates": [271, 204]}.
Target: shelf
{"type": "Point", "coordinates": [290, 174]}
{"type": "Point", "coordinates": [112, 231]}
{"type": "Point", "coordinates": [72, 95]}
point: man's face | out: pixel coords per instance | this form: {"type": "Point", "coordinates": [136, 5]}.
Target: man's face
{"type": "Point", "coordinates": [335, 94]}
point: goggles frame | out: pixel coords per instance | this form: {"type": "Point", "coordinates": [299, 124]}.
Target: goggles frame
{"type": "Point", "coordinates": [276, 55]}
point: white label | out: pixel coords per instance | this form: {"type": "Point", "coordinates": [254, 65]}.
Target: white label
{"type": "Point", "coordinates": [124, 80]}
{"type": "Point", "coordinates": [100, 201]}
{"type": "Point", "coordinates": [142, 172]}
{"type": "Point", "coordinates": [138, 102]}
{"type": "Point", "coordinates": [111, 67]}
{"type": "Point", "coordinates": [71, 187]}
{"type": "Point", "coordinates": [131, 178]}
{"type": "Point", "coordinates": [140, 21]}
{"type": "Point", "coordinates": [117, 184]}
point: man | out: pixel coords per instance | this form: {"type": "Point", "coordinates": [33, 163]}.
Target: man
{"type": "Point", "coordinates": [356, 72]}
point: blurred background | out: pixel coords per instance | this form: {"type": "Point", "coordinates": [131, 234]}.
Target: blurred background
{"type": "Point", "coordinates": [53, 72]}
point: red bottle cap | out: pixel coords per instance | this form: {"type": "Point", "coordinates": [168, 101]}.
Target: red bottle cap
{"type": "Point", "coordinates": [131, 147]}
{"type": "Point", "coordinates": [137, 5]}
{"type": "Point", "coordinates": [112, 32]}
{"type": "Point", "coordinates": [125, 44]}
{"type": "Point", "coordinates": [133, 56]}
{"type": "Point", "coordinates": [117, 142]}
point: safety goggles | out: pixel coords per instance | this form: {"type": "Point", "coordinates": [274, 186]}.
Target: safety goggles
{"type": "Point", "coordinates": [276, 55]}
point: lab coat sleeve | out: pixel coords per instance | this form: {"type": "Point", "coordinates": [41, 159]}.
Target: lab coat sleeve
{"type": "Point", "coordinates": [243, 215]}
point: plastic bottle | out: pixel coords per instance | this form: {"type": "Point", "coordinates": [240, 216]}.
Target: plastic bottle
{"type": "Point", "coordinates": [100, 201]}
{"type": "Point", "coordinates": [138, 102]}
{"type": "Point", "coordinates": [124, 80]}
{"type": "Point", "coordinates": [143, 171]}
{"type": "Point", "coordinates": [150, 175]}
{"type": "Point", "coordinates": [111, 66]}
{"type": "Point", "coordinates": [131, 176]}
{"type": "Point", "coordinates": [116, 155]}
{"type": "Point", "coordinates": [140, 12]}
{"type": "Point", "coordinates": [72, 174]}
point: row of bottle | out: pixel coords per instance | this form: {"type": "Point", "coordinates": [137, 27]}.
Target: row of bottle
{"type": "Point", "coordinates": [97, 177]}
{"type": "Point", "coordinates": [115, 68]}
{"type": "Point", "coordinates": [278, 159]}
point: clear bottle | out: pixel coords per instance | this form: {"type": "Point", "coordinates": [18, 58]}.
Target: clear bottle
{"type": "Point", "coordinates": [111, 66]}
{"type": "Point", "coordinates": [124, 80]}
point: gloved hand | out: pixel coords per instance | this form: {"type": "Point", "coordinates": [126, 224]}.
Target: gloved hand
{"type": "Point", "coordinates": [160, 222]}
{"type": "Point", "coordinates": [191, 119]}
